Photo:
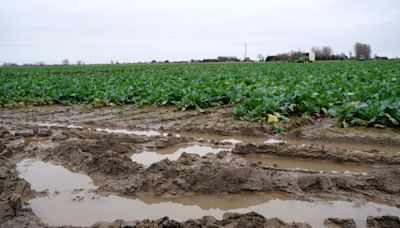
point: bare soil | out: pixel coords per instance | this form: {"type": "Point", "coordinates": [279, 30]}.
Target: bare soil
{"type": "Point", "coordinates": [71, 139]}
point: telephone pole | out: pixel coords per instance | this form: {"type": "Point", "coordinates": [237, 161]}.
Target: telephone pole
{"type": "Point", "coordinates": [245, 51]}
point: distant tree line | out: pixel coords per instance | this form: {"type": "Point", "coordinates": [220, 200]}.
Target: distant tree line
{"type": "Point", "coordinates": [363, 51]}
{"type": "Point", "coordinates": [323, 53]}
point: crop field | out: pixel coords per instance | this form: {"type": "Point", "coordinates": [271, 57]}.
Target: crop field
{"type": "Point", "coordinates": [362, 93]}
{"type": "Point", "coordinates": [201, 145]}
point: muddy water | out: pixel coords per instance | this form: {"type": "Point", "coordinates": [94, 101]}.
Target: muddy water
{"type": "Point", "coordinates": [46, 176]}
{"type": "Point", "coordinates": [347, 146]}
{"type": "Point", "coordinates": [229, 138]}
{"type": "Point", "coordinates": [234, 139]}
{"type": "Point", "coordinates": [290, 163]}
{"type": "Point", "coordinates": [83, 208]}
{"type": "Point", "coordinates": [57, 125]}
{"type": "Point", "coordinates": [94, 208]}
{"type": "Point", "coordinates": [128, 132]}
{"type": "Point", "coordinates": [107, 130]}
{"type": "Point", "coordinates": [172, 153]}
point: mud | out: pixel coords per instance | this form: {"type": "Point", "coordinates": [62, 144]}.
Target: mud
{"type": "Point", "coordinates": [321, 152]}
{"type": "Point", "coordinates": [67, 136]}
{"type": "Point", "coordinates": [383, 221]}
{"type": "Point", "coordinates": [339, 223]}
{"type": "Point", "coordinates": [73, 196]}
{"type": "Point", "coordinates": [328, 130]}
{"type": "Point", "coordinates": [230, 220]}
{"type": "Point", "coordinates": [307, 164]}
{"type": "Point", "coordinates": [148, 158]}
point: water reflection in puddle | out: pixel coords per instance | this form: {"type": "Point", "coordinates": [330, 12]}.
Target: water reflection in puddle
{"type": "Point", "coordinates": [172, 153]}
{"type": "Point", "coordinates": [127, 132]}
{"type": "Point", "coordinates": [343, 145]}
{"type": "Point", "coordinates": [62, 209]}
{"type": "Point", "coordinates": [234, 139]}
{"type": "Point", "coordinates": [94, 208]}
{"type": "Point", "coordinates": [46, 176]}
{"type": "Point", "coordinates": [290, 163]}
{"type": "Point", "coordinates": [116, 131]}
{"type": "Point", "coordinates": [58, 125]}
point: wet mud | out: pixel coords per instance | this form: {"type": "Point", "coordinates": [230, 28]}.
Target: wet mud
{"type": "Point", "coordinates": [221, 171]}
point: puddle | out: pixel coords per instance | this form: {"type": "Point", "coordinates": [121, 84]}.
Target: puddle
{"type": "Point", "coordinates": [172, 153]}
{"type": "Point", "coordinates": [92, 208]}
{"type": "Point", "coordinates": [127, 132]}
{"type": "Point", "coordinates": [85, 208]}
{"type": "Point", "coordinates": [319, 165]}
{"type": "Point", "coordinates": [348, 146]}
{"type": "Point", "coordinates": [274, 141]}
{"type": "Point", "coordinates": [234, 139]}
{"type": "Point", "coordinates": [116, 131]}
{"type": "Point", "coordinates": [58, 125]}
{"type": "Point", "coordinates": [47, 176]}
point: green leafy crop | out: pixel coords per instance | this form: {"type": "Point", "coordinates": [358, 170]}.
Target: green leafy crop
{"type": "Point", "coordinates": [362, 93]}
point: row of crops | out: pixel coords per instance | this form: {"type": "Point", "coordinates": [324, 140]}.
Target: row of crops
{"type": "Point", "coordinates": [363, 93]}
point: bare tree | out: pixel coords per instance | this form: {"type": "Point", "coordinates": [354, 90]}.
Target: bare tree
{"type": "Point", "coordinates": [79, 62]}
{"type": "Point", "coordinates": [317, 51]}
{"type": "Point", "coordinates": [363, 51]}
{"type": "Point", "coordinates": [326, 52]}
{"type": "Point", "coordinates": [260, 57]}
{"type": "Point", "coordinates": [323, 53]}
{"type": "Point", "coordinates": [65, 62]}
{"type": "Point", "coordinates": [39, 63]}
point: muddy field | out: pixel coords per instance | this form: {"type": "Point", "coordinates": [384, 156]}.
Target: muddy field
{"type": "Point", "coordinates": [161, 167]}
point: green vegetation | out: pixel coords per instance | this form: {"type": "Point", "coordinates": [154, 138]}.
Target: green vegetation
{"type": "Point", "coordinates": [363, 93]}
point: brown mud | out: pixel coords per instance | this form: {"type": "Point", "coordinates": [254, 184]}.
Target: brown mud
{"type": "Point", "coordinates": [70, 136]}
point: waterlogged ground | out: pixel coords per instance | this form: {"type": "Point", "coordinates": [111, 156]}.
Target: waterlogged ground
{"type": "Point", "coordinates": [69, 195]}
{"type": "Point", "coordinates": [79, 166]}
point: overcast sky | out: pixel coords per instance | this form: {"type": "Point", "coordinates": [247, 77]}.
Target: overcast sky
{"type": "Point", "coordinates": [97, 31]}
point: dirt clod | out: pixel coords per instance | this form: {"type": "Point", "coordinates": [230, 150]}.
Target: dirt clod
{"type": "Point", "coordinates": [339, 223]}
{"type": "Point", "coordinates": [383, 222]}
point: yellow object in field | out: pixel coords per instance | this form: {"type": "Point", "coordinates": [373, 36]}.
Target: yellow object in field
{"type": "Point", "coordinates": [272, 119]}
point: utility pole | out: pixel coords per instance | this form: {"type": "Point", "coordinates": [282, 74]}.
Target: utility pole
{"type": "Point", "coordinates": [245, 52]}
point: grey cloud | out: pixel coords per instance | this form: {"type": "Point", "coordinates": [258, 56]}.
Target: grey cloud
{"type": "Point", "coordinates": [98, 31]}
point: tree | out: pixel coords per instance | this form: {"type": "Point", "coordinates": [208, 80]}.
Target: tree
{"type": "Point", "coordinates": [39, 63]}
{"type": "Point", "coordinates": [362, 51]}
{"type": "Point", "coordinates": [79, 62]}
{"type": "Point", "coordinates": [65, 62]}
{"type": "Point", "coordinates": [260, 57]}
{"type": "Point", "coordinates": [323, 53]}
{"type": "Point", "coordinates": [326, 52]}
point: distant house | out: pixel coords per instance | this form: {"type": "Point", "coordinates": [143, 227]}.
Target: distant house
{"type": "Point", "coordinates": [272, 58]}
{"type": "Point", "coordinates": [381, 58]}
{"type": "Point", "coordinates": [227, 59]}
{"type": "Point", "coordinates": [209, 60]}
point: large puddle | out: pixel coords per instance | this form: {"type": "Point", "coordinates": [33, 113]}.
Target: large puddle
{"type": "Point", "coordinates": [309, 164]}
{"type": "Point", "coordinates": [233, 139]}
{"type": "Point", "coordinates": [172, 153]}
{"type": "Point", "coordinates": [46, 176]}
{"type": "Point", "coordinates": [83, 208]}
{"type": "Point", "coordinates": [347, 146]}
{"type": "Point", "coordinates": [292, 141]}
